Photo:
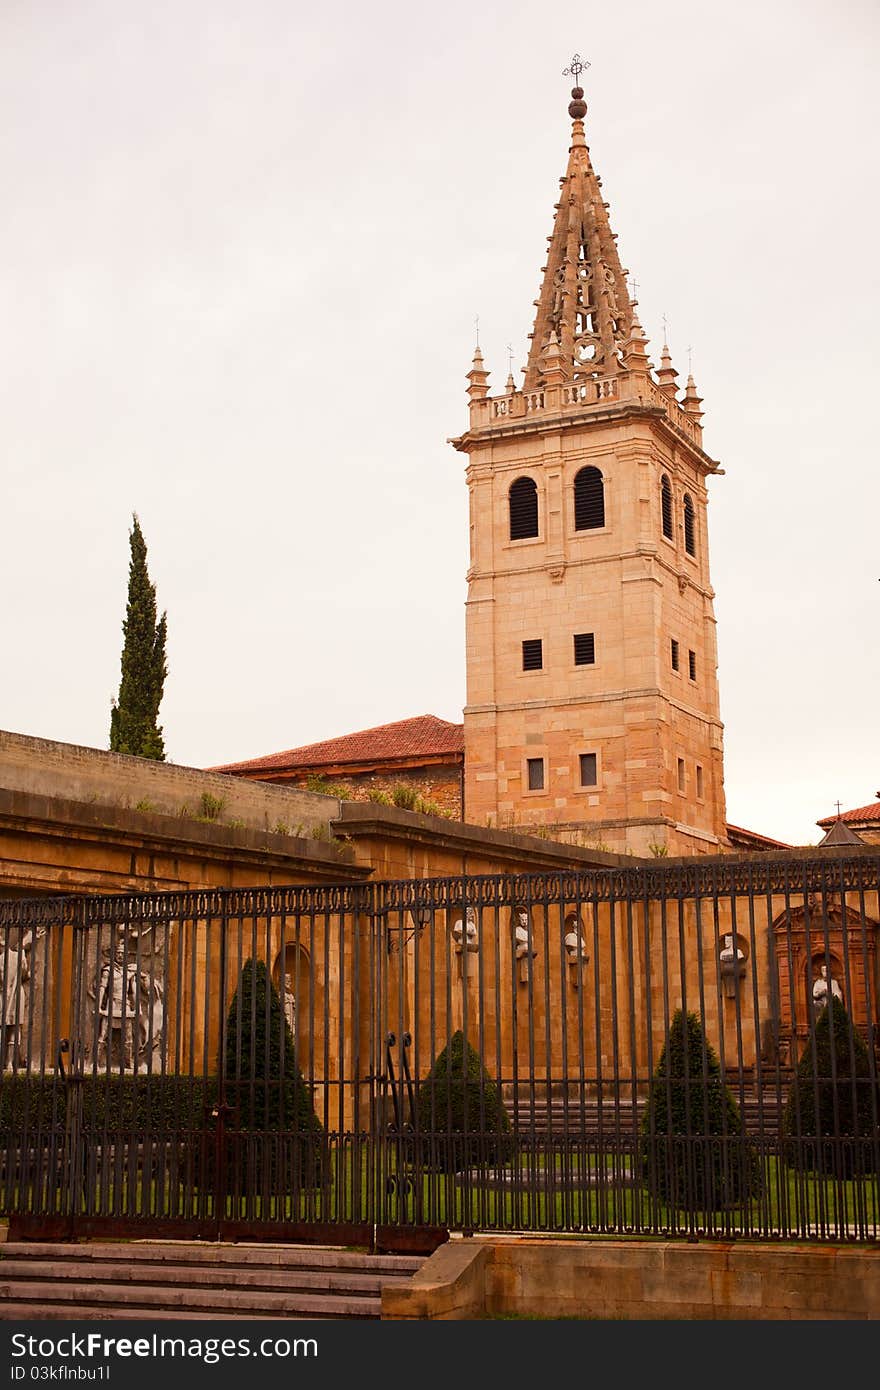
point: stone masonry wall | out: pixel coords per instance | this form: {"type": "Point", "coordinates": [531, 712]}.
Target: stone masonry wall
{"type": "Point", "coordinates": [45, 768]}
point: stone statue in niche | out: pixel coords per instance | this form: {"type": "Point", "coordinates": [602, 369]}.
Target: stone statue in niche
{"type": "Point", "coordinates": [289, 1004]}
{"type": "Point", "coordinates": [14, 977]}
{"type": "Point", "coordinates": [466, 939]}
{"type": "Point", "coordinates": [522, 944]}
{"type": "Point", "coordinates": [151, 1030]}
{"type": "Point", "coordinates": [118, 1009]}
{"type": "Point", "coordinates": [732, 961]}
{"type": "Point", "coordinates": [823, 989]}
{"type": "Point", "coordinates": [575, 947]}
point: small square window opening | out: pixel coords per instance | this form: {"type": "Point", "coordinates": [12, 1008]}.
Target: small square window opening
{"type": "Point", "coordinates": [533, 654]}
{"type": "Point", "coordinates": [589, 770]}
{"type": "Point", "coordinates": [535, 768]}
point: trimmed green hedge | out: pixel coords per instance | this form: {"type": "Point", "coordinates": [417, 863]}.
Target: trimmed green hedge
{"type": "Point", "coordinates": [461, 1119]}
{"type": "Point", "coordinates": [694, 1154]}
{"type": "Point", "coordinates": [118, 1104]}
{"type": "Point", "coordinates": [830, 1121]}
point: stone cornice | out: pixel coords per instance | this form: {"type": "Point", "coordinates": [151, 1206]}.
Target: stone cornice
{"type": "Point", "coordinates": [572, 419]}
{"type": "Point", "coordinates": [52, 817]}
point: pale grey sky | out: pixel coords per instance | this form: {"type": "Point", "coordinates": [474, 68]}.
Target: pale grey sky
{"type": "Point", "coordinates": [240, 257]}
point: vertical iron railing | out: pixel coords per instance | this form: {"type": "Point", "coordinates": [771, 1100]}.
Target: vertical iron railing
{"type": "Point", "coordinates": [678, 1048]}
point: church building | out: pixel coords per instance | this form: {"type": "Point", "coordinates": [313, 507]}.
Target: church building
{"type": "Point", "coordinates": [592, 693]}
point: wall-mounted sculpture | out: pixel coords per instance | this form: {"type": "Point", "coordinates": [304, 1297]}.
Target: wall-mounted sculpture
{"type": "Point", "coordinates": [466, 942]}
{"type": "Point", "coordinates": [14, 979]}
{"type": "Point", "coordinates": [731, 964]}
{"type": "Point", "coordinates": [128, 1003]}
{"type": "Point", "coordinates": [824, 989]}
{"type": "Point", "coordinates": [575, 948]}
{"type": "Point", "coordinates": [523, 948]}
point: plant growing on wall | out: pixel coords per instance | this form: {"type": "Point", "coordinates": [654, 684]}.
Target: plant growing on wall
{"type": "Point", "coordinates": [461, 1119]}
{"type": "Point", "coordinates": [694, 1154]}
{"type": "Point", "coordinates": [830, 1121]}
{"type": "Point", "coordinates": [134, 716]}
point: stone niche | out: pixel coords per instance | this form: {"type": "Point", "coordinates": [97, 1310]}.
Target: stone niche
{"type": "Point", "coordinates": [824, 947]}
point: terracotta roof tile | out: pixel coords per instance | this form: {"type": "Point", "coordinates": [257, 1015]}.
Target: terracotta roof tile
{"type": "Point", "coordinates": [868, 813]}
{"type": "Point", "coordinates": [423, 736]}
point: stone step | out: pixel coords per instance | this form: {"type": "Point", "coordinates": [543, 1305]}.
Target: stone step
{"type": "Point", "coordinates": [61, 1293]}
{"type": "Point", "coordinates": [216, 1276]}
{"type": "Point", "coordinates": [287, 1257]}
{"type": "Point", "coordinates": [179, 1279]}
{"type": "Point", "coordinates": [87, 1312]}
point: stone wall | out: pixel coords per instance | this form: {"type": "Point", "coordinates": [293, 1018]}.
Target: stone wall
{"type": "Point", "coordinates": [606, 1279]}
{"type": "Point", "coordinates": [46, 768]}
{"type": "Point", "coordinates": [441, 785]}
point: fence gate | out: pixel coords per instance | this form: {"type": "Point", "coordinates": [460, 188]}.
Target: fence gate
{"type": "Point", "coordinates": [661, 1050]}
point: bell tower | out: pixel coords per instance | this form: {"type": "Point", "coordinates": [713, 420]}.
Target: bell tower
{"type": "Point", "coordinates": [592, 693]}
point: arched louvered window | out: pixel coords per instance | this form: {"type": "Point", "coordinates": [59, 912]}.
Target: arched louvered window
{"type": "Point", "coordinates": [690, 543]}
{"type": "Point", "coordinates": [666, 506]}
{"type": "Point", "coordinates": [589, 500]}
{"type": "Point", "coordinates": [523, 509]}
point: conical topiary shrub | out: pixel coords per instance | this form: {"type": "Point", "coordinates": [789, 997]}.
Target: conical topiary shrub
{"type": "Point", "coordinates": [694, 1154]}
{"type": "Point", "coordinates": [276, 1139]}
{"type": "Point", "coordinates": [460, 1116]}
{"type": "Point", "coordinates": [833, 1109]}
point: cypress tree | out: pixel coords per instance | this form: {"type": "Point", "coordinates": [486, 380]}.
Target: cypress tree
{"type": "Point", "coordinates": [694, 1153]}
{"type": "Point", "coordinates": [134, 726]}
{"type": "Point", "coordinates": [277, 1135]}
{"type": "Point", "coordinates": [831, 1117]}
{"type": "Point", "coordinates": [460, 1113]}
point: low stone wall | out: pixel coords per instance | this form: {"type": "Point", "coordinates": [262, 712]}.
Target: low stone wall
{"type": "Point", "coordinates": [608, 1279]}
{"type": "Point", "coordinates": [42, 767]}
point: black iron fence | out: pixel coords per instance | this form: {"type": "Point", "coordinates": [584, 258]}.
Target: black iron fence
{"type": "Point", "coordinates": [664, 1049]}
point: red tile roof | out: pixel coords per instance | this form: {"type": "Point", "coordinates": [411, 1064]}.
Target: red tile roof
{"type": "Point", "coordinates": [861, 813]}
{"type": "Point", "coordinates": [736, 832]}
{"type": "Point", "coordinates": [424, 736]}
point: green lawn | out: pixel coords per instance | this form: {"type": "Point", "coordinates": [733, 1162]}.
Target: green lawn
{"type": "Point", "coordinates": [579, 1192]}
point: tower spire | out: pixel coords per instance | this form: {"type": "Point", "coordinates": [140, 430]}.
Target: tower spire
{"type": "Point", "coordinates": [584, 303]}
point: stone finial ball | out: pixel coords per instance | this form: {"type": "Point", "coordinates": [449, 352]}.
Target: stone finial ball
{"type": "Point", "coordinates": [577, 108]}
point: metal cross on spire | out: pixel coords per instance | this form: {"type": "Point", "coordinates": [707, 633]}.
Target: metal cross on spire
{"type": "Point", "coordinates": [665, 328]}
{"type": "Point", "coordinates": [690, 361]}
{"type": "Point", "coordinates": [510, 359]}
{"type": "Point", "coordinates": [578, 65]}
{"type": "Point", "coordinates": [477, 328]}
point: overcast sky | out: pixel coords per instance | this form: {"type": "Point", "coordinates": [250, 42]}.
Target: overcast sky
{"type": "Point", "coordinates": [241, 253]}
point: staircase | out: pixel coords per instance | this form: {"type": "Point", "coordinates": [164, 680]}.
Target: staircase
{"type": "Point", "coordinates": [559, 1118]}
{"type": "Point", "coordinates": [164, 1280]}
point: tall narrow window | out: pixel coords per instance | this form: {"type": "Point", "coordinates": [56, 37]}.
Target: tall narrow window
{"type": "Point", "coordinates": [690, 543]}
{"type": "Point", "coordinates": [584, 648]}
{"type": "Point", "coordinates": [673, 652]}
{"type": "Point", "coordinates": [666, 506]}
{"type": "Point", "coordinates": [681, 774]}
{"type": "Point", "coordinates": [692, 665]}
{"type": "Point", "coordinates": [523, 499]}
{"type": "Point", "coordinates": [589, 770]}
{"type": "Point", "coordinates": [535, 769]}
{"type": "Point", "coordinates": [533, 654]}
{"type": "Point", "coordinates": [589, 500]}
{"type": "Point", "coordinates": [699, 782]}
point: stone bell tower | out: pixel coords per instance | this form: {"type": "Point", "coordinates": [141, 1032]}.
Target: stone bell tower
{"type": "Point", "coordinates": [592, 694]}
